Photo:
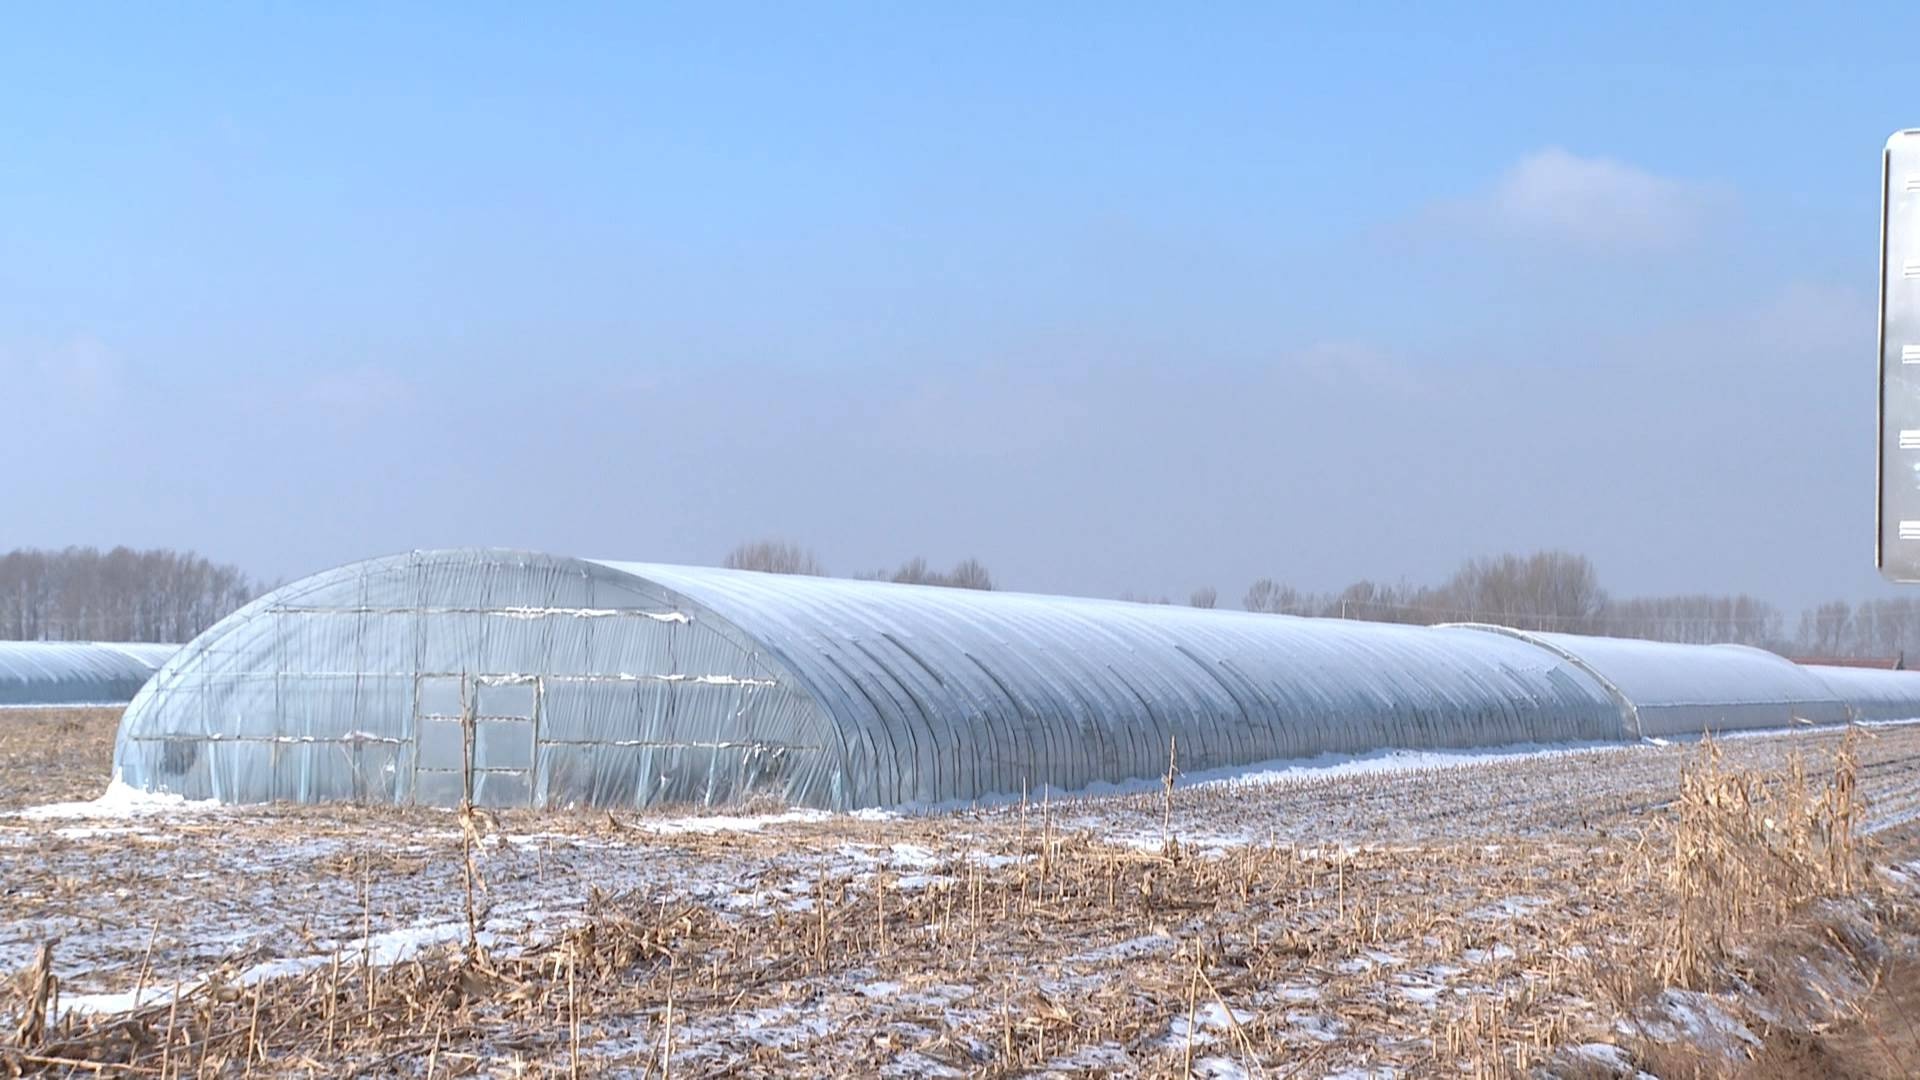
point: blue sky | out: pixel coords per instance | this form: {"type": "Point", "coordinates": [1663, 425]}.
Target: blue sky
{"type": "Point", "coordinates": [1113, 297]}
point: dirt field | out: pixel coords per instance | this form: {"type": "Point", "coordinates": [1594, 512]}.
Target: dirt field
{"type": "Point", "coordinates": [48, 755]}
{"type": "Point", "coordinates": [1592, 913]}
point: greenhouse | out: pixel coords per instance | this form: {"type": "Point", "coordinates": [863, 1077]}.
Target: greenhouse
{"type": "Point", "coordinates": [1871, 693]}
{"type": "Point", "coordinates": [76, 672]}
{"type": "Point", "coordinates": [523, 679]}
{"type": "Point", "coordinates": [1666, 689]}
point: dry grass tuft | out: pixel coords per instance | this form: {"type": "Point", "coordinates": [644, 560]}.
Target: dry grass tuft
{"type": "Point", "coordinates": [1748, 854]}
{"type": "Point", "coordinates": [1771, 904]}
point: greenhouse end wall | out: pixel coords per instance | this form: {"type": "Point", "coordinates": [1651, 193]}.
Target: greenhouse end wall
{"type": "Point", "coordinates": [521, 679]}
{"type": "Point", "coordinates": [529, 680]}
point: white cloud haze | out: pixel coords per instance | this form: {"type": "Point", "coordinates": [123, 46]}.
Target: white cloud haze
{"type": "Point", "coordinates": [1590, 204]}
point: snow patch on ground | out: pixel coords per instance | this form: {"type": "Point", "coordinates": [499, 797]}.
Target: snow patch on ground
{"type": "Point", "coordinates": [120, 802]}
{"type": "Point", "coordinates": [725, 823]}
{"type": "Point", "coordinates": [913, 857]}
{"type": "Point", "coordinates": [1130, 949]}
{"type": "Point", "coordinates": [1366, 961]}
{"type": "Point", "coordinates": [1509, 908]}
{"type": "Point", "coordinates": [1692, 1016]}
{"type": "Point", "coordinates": [1604, 1058]}
{"type": "Point", "coordinates": [1330, 766]}
{"type": "Point", "coordinates": [384, 949]}
{"type": "Point", "coordinates": [1276, 771]}
{"type": "Point", "coordinates": [1210, 1021]}
{"type": "Point", "coordinates": [1104, 1059]}
{"type": "Point", "coordinates": [1316, 1026]}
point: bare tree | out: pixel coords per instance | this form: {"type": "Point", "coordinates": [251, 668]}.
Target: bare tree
{"type": "Point", "coordinates": [775, 557]}
{"type": "Point", "coordinates": [1697, 618]}
{"type": "Point", "coordinates": [1559, 590]}
{"type": "Point", "coordinates": [81, 593]}
{"type": "Point", "coordinates": [966, 574]}
{"type": "Point", "coordinates": [1826, 630]}
{"type": "Point", "coordinates": [1206, 596]}
{"type": "Point", "coordinates": [1260, 595]}
{"type": "Point", "coordinates": [969, 574]}
{"type": "Point", "coordinates": [914, 571]}
{"type": "Point", "coordinates": [1267, 595]}
{"type": "Point", "coordinates": [1386, 603]}
{"type": "Point", "coordinates": [1547, 590]}
{"type": "Point", "coordinates": [1889, 627]}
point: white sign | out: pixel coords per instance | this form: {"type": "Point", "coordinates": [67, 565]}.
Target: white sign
{"type": "Point", "coordinates": [1897, 545]}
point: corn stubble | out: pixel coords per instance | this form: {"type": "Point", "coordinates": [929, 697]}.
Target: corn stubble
{"type": "Point", "coordinates": [1033, 946]}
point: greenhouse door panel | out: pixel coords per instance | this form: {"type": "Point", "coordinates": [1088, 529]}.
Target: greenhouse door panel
{"type": "Point", "coordinates": [475, 736]}
{"type": "Point", "coordinates": [506, 710]}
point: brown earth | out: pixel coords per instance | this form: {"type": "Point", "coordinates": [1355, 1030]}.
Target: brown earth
{"type": "Point", "coordinates": [54, 754]}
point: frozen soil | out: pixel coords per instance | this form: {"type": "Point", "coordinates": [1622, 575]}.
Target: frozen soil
{"type": "Point", "coordinates": [54, 753]}
{"type": "Point", "coordinates": [1414, 918]}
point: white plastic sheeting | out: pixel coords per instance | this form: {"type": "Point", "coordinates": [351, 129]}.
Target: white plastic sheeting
{"type": "Point", "coordinates": [76, 672]}
{"type": "Point", "coordinates": [528, 679]}
{"type": "Point", "coordinates": [1873, 693]}
{"type": "Point", "coordinates": [1668, 689]}
{"type": "Point", "coordinates": [555, 681]}
{"type": "Point", "coordinates": [952, 694]}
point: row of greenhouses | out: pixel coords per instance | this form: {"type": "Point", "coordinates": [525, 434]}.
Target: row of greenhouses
{"type": "Point", "coordinates": [519, 679]}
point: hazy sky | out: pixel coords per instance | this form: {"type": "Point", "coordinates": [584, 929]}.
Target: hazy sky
{"type": "Point", "coordinates": [1114, 298]}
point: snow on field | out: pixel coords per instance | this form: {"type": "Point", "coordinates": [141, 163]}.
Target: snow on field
{"type": "Point", "coordinates": [1333, 766]}
{"type": "Point", "coordinates": [1402, 889]}
{"type": "Point", "coordinates": [501, 931]}
{"type": "Point", "coordinates": [722, 823]}
{"type": "Point", "coordinates": [1286, 771]}
{"type": "Point", "coordinates": [119, 803]}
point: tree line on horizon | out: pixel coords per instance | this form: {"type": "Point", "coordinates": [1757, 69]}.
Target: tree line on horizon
{"type": "Point", "coordinates": [1541, 591]}
{"type": "Point", "coordinates": [1561, 591]}
{"type": "Point", "coordinates": [783, 557]}
{"type": "Point", "coordinates": [85, 594]}
{"type": "Point", "coordinates": [123, 594]}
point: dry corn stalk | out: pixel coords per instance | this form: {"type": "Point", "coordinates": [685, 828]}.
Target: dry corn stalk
{"type": "Point", "coordinates": [41, 991]}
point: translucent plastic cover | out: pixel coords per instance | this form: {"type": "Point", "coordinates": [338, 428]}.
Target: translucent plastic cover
{"type": "Point", "coordinates": [1668, 689]}
{"type": "Point", "coordinates": [76, 672]}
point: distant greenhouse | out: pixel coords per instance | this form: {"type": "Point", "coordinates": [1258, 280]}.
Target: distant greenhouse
{"type": "Point", "coordinates": [1666, 689]}
{"type": "Point", "coordinates": [76, 672]}
{"type": "Point", "coordinates": [530, 679]}
{"type": "Point", "coordinates": [1871, 693]}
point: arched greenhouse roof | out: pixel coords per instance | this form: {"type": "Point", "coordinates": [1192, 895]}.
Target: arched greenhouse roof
{"type": "Point", "coordinates": [545, 680]}
{"type": "Point", "coordinates": [1672, 689]}
{"type": "Point", "coordinates": [1872, 693]}
{"type": "Point", "coordinates": [1070, 691]}
{"type": "Point", "coordinates": [76, 672]}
